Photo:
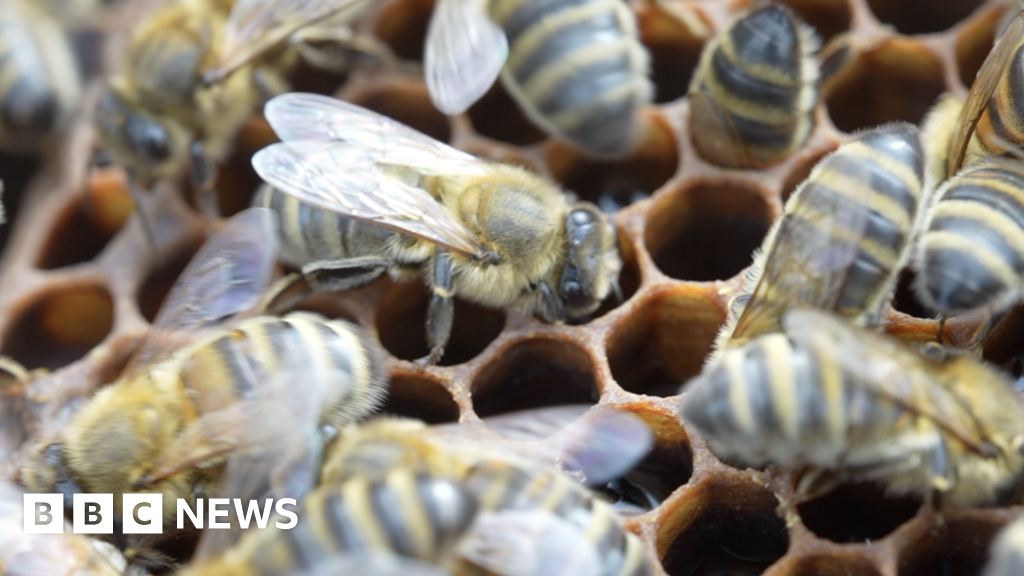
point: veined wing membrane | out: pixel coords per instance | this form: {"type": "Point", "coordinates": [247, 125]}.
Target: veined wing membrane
{"type": "Point", "coordinates": [227, 276]}
{"type": "Point", "coordinates": [300, 117]}
{"type": "Point", "coordinates": [815, 247]}
{"type": "Point", "coordinates": [348, 181]}
{"type": "Point", "coordinates": [884, 366]}
{"type": "Point", "coordinates": [257, 26]}
{"type": "Point", "coordinates": [465, 51]}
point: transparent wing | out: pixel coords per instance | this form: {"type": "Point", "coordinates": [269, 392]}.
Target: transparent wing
{"type": "Point", "coordinates": [275, 443]}
{"type": "Point", "coordinates": [888, 368]}
{"type": "Point", "coordinates": [529, 542]}
{"type": "Point", "coordinates": [816, 245]}
{"type": "Point", "coordinates": [304, 117]}
{"type": "Point", "coordinates": [981, 91]}
{"type": "Point", "coordinates": [227, 276]}
{"type": "Point", "coordinates": [257, 26]}
{"type": "Point", "coordinates": [595, 445]}
{"type": "Point", "coordinates": [346, 180]}
{"type": "Point", "coordinates": [464, 54]}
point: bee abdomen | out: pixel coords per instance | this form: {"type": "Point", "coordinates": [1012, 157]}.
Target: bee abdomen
{"type": "Point", "coordinates": [411, 515]}
{"type": "Point", "coordinates": [761, 75]}
{"type": "Point", "coordinates": [231, 366]}
{"type": "Point", "coordinates": [309, 234]}
{"type": "Point", "coordinates": [772, 402]}
{"type": "Point", "coordinates": [973, 246]}
{"type": "Point", "coordinates": [1002, 122]}
{"type": "Point", "coordinates": [577, 68]}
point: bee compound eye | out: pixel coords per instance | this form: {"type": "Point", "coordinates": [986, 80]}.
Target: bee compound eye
{"type": "Point", "coordinates": [150, 138]}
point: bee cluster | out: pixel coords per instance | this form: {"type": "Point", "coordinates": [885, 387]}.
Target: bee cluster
{"type": "Point", "coordinates": [706, 176]}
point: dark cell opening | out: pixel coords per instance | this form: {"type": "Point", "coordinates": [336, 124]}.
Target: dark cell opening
{"type": "Point", "coordinates": [956, 548]}
{"type": "Point", "coordinates": [664, 342]}
{"type": "Point", "coordinates": [674, 44]}
{"type": "Point", "coordinates": [857, 513]}
{"type": "Point", "coordinates": [708, 231]}
{"type": "Point", "coordinates": [499, 117]}
{"type": "Point", "coordinates": [905, 299]}
{"type": "Point", "coordinates": [974, 44]}
{"type": "Point", "coordinates": [922, 16]}
{"type": "Point", "coordinates": [534, 374]}
{"type": "Point", "coordinates": [421, 398]}
{"type": "Point", "coordinates": [16, 173]}
{"type": "Point", "coordinates": [60, 327]}
{"type": "Point", "coordinates": [403, 26]}
{"type": "Point", "coordinates": [401, 319]}
{"type": "Point", "coordinates": [827, 17]}
{"type": "Point", "coordinates": [159, 282]}
{"type": "Point", "coordinates": [410, 105]}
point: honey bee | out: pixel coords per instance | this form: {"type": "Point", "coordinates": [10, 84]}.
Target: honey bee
{"type": "Point", "coordinates": [990, 121]}
{"type": "Point", "coordinates": [752, 98]}
{"type": "Point", "coordinates": [167, 425]}
{"type": "Point", "coordinates": [971, 253]}
{"type": "Point", "coordinates": [848, 403]}
{"type": "Point", "coordinates": [578, 70]}
{"type": "Point", "coordinates": [66, 554]}
{"type": "Point", "coordinates": [845, 234]}
{"type": "Point", "coordinates": [492, 233]}
{"type": "Point", "coordinates": [40, 85]}
{"type": "Point", "coordinates": [1006, 555]}
{"type": "Point", "coordinates": [513, 471]}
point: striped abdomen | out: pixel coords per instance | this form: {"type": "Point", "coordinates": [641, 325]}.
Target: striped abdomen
{"type": "Point", "coordinates": [309, 234]}
{"type": "Point", "coordinates": [38, 78]}
{"type": "Point", "coordinates": [227, 367]}
{"type": "Point", "coordinates": [505, 487]}
{"type": "Point", "coordinates": [757, 88]}
{"type": "Point", "coordinates": [410, 515]}
{"type": "Point", "coordinates": [972, 251]}
{"type": "Point", "coordinates": [577, 68]}
{"type": "Point", "coordinates": [774, 402]}
{"type": "Point", "coordinates": [1002, 123]}
{"type": "Point", "coordinates": [845, 235]}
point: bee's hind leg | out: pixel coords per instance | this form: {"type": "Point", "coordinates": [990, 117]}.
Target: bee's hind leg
{"type": "Point", "coordinates": [441, 312]}
{"type": "Point", "coordinates": [322, 276]}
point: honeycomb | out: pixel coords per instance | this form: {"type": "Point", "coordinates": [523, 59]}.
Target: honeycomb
{"type": "Point", "coordinates": [79, 286]}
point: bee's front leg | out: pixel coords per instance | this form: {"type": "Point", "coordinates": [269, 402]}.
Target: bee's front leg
{"type": "Point", "coordinates": [442, 308]}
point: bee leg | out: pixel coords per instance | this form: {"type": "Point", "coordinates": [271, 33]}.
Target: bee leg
{"type": "Point", "coordinates": [342, 47]}
{"type": "Point", "coordinates": [202, 178]}
{"type": "Point", "coordinates": [550, 308]}
{"type": "Point", "coordinates": [441, 312]}
{"type": "Point", "coordinates": [322, 276]}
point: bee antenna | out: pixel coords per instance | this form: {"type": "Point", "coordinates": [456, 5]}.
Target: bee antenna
{"type": "Point", "coordinates": [617, 291]}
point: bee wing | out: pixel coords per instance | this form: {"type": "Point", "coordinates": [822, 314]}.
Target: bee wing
{"type": "Point", "coordinates": [464, 54]}
{"type": "Point", "coordinates": [227, 276]}
{"type": "Point", "coordinates": [814, 246]}
{"type": "Point", "coordinates": [343, 179]}
{"type": "Point", "coordinates": [716, 128]}
{"type": "Point", "coordinates": [594, 445]}
{"type": "Point", "coordinates": [890, 369]}
{"type": "Point", "coordinates": [528, 542]}
{"type": "Point", "coordinates": [257, 26]}
{"type": "Point", "coordinates": [302, 117]}
{"type": "Point", "coordinates": [981, 92]}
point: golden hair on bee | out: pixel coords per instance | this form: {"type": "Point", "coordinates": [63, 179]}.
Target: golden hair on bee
{"type": "Point", "coordinates": [494, 234]}
{"type": "Point", "coordinates": [845, 234]}
{"type": "Point", "coordinates": [753, 95]}
{"type": "Point", "coordinates": [843, 403]}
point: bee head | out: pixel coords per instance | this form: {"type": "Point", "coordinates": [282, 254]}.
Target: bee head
{"type": "Point", "coordinates": [146, 147]}
{"type": "Point", "coordinates": [46, 472]}
{"type": "Point", "coordinates": [592, 260]}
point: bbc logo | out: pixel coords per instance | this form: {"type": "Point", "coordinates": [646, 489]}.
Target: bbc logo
{"type": "Point", "coordinates": [93, 513]}
{"type": "Point", "coordinates": [143, 513]}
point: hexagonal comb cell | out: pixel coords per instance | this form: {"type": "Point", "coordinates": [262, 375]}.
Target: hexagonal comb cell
{"type": "Point", "coordinates": [727, 527]}
{"type": "Point", "coordinates": [905, 298]}
{"type": "Point", "coordinates": [613, 185]}
{"type": "Point", "coordinates": [857, 513]}
{"type": "Point", "coordinates": [497, 116]}
{"type": "Point", "coordinates": [664, 341]}
{"type": "Point", "coordinates": [668, 466]}
{"type": "Point", "coordinates": [674, 35]}
{"type": "Point", "coordinates": [827, 17]}
{"type": "Point", "coordinates": [922, 16]}
{"type": "Point", "coordinates": [707, 231]}
{"type": "Point", "coordinates": [401, 319]}
{"type": "Point", "coordinates": [84, 227]}
{"type": "Point", "coordinates": [60, 327]}
{"type": "Point", "coordinates": [958, 545]}
{"type": "Point", "coordinates": [407, 102]}
{"type": "Point", "coordinates": [419, 397]}
{"type": "Point", "coordinates": [833, 565]}
{"type": "Point", "coordinates": [534, 373]}
{"type": "Point", "coordinates": [898, 80]}
{"type": "Point", "coordinates": [402, 24]}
